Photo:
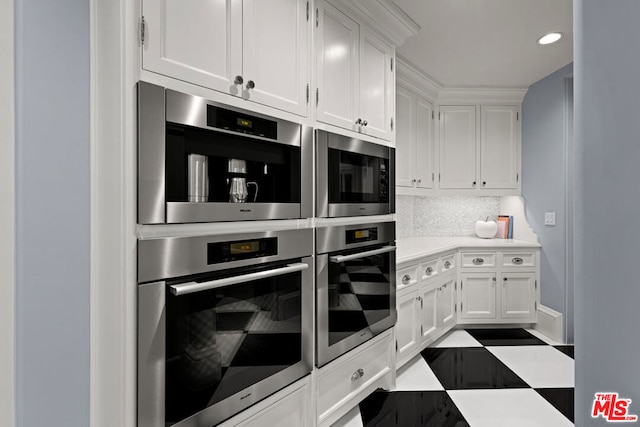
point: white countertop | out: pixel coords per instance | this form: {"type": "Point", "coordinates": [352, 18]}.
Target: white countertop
{"type": "Point", "coordinates": [412, 248]}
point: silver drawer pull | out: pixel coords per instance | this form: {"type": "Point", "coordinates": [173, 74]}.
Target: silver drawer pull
{"type": "Point", "coordinates": [429, 270]}
{"type": "Point", "coordinates": [477, 261]}
{"type": "Point", "coordinates": [357, 374]}
{"type": "Point", "coordinates": [406, 279]}
{"type": "Point", "coordinates": [447, 264]}
{"type": "Point", "coordinates": [517, 260]}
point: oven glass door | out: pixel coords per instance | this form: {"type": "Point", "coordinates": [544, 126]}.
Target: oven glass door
{"type": "Point", "coordinates": [357, 178]}
{"type": "Point", "coordinates": [356, 298]}
{"type": "Point", "coordinates": [221, 341]}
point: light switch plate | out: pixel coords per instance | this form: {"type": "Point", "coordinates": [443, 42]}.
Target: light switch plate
{"type": "Point", "coordinates": [549, 218]}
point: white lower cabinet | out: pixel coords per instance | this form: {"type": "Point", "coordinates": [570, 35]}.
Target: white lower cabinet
{"type": "Point", "coordinates": [288, 407]}
{"type": "Point", "coordinates": [343, 383]}
{"type": "Point", "coordinates": [478, 295]}
{"type": "Point", "coordinates": [499, 287]}
{"type": "Point", "coordinates": [426, 309]}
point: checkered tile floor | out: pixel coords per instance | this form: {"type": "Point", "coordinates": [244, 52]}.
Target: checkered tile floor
{"type": "Point", "coordinates": [477, 378]}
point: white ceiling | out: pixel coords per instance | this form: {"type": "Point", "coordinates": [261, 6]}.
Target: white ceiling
{"type": "Point", "coordinates": [488, 43]}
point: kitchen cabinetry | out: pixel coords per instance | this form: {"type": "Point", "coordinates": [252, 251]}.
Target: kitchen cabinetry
{"type": "Point", "coordinates": [498, 287]}
{"type": "Point", "coordinates": [480, 154]}
{"type": "Point", "coordinates": [414, 140]}
{"type": "Point", "coordinates": [426, 304]}
{"type": "Point", "coordinates": [251, 49]}
{"type": "Point", "coordinates": [354, 75]}
{"type": "Point", "coordinates": [347, 380]}
{"type": "Point", "coordinates": [288, 407]}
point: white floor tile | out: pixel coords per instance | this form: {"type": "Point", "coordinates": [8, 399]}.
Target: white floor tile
{"type": "Point", "coordinates": [543, 337]}
{"type": "Point", "coordinates": [540, 366]}
{"type": "Point", "coordinates": [350, 419]}
{"type": "Point", "coordinates": [456, 338]}
{"type": "Point", "coordinates": [417, 375]}
{"type": "Point", "coordinates": [507, 408]}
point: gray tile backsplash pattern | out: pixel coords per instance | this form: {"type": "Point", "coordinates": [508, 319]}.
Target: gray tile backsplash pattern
{"type": "Point", "coordinates": [442, 216]}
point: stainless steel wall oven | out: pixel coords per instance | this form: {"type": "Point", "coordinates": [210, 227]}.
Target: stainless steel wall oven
{"type": "Point", "coordinates": [201, 161]}
{"type": "Point", "coordinates": [223, 322]}
{"type": "Point", "coordinates": [355, 286]}
{"type": "Point", "coordinates": [355, 177]}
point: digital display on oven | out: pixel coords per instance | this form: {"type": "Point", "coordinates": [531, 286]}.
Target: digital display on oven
{"type": "Point", "coordinates": [361, 235]}
{"type": "Point", "coordinates": [221, 252]}
{"type": "Point", "coordinates": [244, 123]}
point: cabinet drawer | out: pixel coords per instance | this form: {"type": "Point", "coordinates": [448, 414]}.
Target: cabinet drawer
{"type": "Point", "coordinates": [478, 259]}
{"type": "Point", "coordinates": [518, 259]}
{"type": "Point", "coordinates": [406, 277]}
{"type": "Point", "coordinates": [343, 380]}
{"type": "Point", "coordinates": [429, 269]}
{"type": "Point", "coordinates": [448, 263]}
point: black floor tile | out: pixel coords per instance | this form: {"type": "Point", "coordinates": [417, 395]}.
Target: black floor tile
{"type": "Point", "coordinates": [560, 398]}
{"type": "Point", "coordinates": [410, 409]}
{"type": "Point", "coordinates": [470, 368]}
{"type": "Point", "coordinates": [489, 337]}
{"type": "Point", "coordinates": [566, 349]}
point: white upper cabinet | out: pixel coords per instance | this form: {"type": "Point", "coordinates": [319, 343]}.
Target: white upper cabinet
{"type": "Point", "coordinates": [414, 140]}
{"type": "Point", "coordinates": [252, 49]}
{"type": "Point", "coordinates": [458, 149]}
{"type": "Point", "coordinates": [499, 133]}
{"type": "Point", "coordinates": [337, 46]}
{"type": "Point", "coordinates": [354, 75]}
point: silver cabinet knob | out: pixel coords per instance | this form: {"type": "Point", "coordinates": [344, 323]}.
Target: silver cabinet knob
{"type": "Point", "coordinates": [364, 123]}
{"type": "Point", "coordinates": [494, 279]}
{"type": "Point", "coordinates": [251, 84]}
{"type": "Point", "coordinates": [517, 260]}
{"type": "Point", "coordinates": [505, 279]}
{"type": "Point", "coordinates": [238, 80]}
{"type": "Point", "coordinates": [478, 261]}
{"type": "Point", "coordinates": [447, 264]}
{"type": "Point", "coordinates": [413, 181]}
{"type": "Point", "coordinates": [428, 271]}
{"type": "Point", "coordinates": [419, 181]}
{"type": "Point", "coordinates": [359, 373]}
{"type": "Point", "coordinates": [406, 279]}
{"type": "Point", "coordinates": [359, 121]}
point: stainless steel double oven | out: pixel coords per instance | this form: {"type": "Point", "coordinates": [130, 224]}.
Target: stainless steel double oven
{"type": "Point", "coordinates": [223, 322]}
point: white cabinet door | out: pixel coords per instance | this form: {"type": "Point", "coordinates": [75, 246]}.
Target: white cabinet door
{"type": "Point", "coordinates": [424, 144]}
{"type": "Point", "coordinates": [518, 295]}
{"type": "Point", "coordinates": [428, 304]}
{"type": "Point", "coordinates": [446, 303]}
{"type": "Point", "coordinates": [405, 138]}
{"type": "Point", "coordinates": [458, 147]}
{"type": "Point", "coordinates": [337, 47]}
{"type": "Point", "coordinates": [407, 323]}
{"type": "Point", "coordinates": [195, 41]}
{"type": "Point", "coordinates": [478, 296]}
{"type": "Point", "coordinates": [375, 86]}
{"type": "Point", "coordinates": [276, 53]}
{"type": "Point", "coordinates": [499, 142]}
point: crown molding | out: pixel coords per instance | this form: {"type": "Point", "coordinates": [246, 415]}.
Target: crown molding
{"type": "Point", "coordinates": [482, 95]}
{"type": "Point", "coordinates": [409, 75]}
{"type": "Point", "coordinates": [384, 16]}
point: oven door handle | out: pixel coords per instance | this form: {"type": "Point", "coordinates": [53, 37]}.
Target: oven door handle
{"type": "Point", "coordinates": [343, 258]}
{"type": "Point", "coordinates": [191, 287]}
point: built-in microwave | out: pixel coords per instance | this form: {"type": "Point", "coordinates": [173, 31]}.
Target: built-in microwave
{"type": "Point", "coordinates": [354, 177]}
{"type": "Point", "coordinates": [202, 161]}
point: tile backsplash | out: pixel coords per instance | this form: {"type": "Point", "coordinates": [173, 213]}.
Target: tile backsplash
{"type": "Point", "coordinates": [442, 216]}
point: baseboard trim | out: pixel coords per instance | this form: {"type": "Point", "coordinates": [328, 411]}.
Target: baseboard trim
{"type": "Point", "coordinates": [550, 323]}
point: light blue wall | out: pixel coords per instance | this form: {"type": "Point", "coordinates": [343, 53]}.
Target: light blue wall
{"type": "Point", "coordinates": [607, 244]}
{"type": "Point", "coordinates": [52, 213]}
{"type": "Point", "coordinates": [544, 169]}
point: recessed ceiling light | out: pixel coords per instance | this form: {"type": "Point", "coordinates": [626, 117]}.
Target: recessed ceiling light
{"type": "Point", "coordinates": [550, 38]}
